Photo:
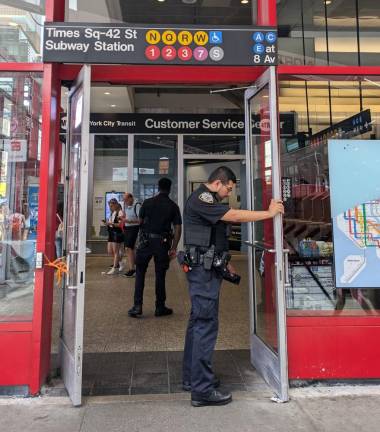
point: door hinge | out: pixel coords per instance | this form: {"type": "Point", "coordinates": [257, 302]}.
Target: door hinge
{"type": "Point", "coordinates": [39, 260]}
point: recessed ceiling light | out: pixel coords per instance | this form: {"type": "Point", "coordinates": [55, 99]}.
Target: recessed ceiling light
{"type": "Point", "coordinates": [161, 1]}
{"type": "Point", "coordinates": [107, 93]}
{"type": "Point", "coordinates": [244, 1]}
{"type": "Point", "coordinates": [112, 106]}
{"type": "Point", "coordinates": [328, 2]}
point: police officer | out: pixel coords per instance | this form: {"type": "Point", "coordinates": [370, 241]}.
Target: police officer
{"type": "Point", "coordinates": [206, 238]}
{"type": "Point", "coordinates": [157, 215]}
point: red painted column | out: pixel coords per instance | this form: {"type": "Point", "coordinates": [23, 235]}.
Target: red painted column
{"type": "Point", "coordinates": [44, 282]}
{"type": "Point", "coordinates": [267, 13]}
{"type": "Point", "coordinates": [49, 167]}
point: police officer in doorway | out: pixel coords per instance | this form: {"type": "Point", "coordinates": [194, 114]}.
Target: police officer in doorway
{"type": "Point", "coordinates": [160, 232]}
{"type": "Point", "coordinates": [206, 247]}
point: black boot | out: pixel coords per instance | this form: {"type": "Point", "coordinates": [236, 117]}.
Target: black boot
{"type": "Point", "coordinates": [215, 398]}
{"type": "Point", "coordinates": [186, 385]}
{"type": "Point", "coordinates": [162, 311]}
{"type": "Point", "coordinates": [135, 311]}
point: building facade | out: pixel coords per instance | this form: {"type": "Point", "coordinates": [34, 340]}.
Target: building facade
{"type": "Point", "coordinates": [325, 85]}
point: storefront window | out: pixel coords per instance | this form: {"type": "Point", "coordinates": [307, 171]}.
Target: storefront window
{"type": "Point", "coordinates": [20, 143]}
{"type": "Point", "coordinates": [308, 222]}
{"type": "Point", "coordinates": [21, 29]}
{"type": "Point", "coordinates": [369, 24]}
{"type": "Point", "coordinates": [160, 12]}
{"type": "Point", "coordinates": [302, 32]}
{"type": "Point", "coordinates": [342, 48]}
{"type": "Point", "coordinates": [334, 32]}
{"type": "Point", "coordinates": [154, 157]}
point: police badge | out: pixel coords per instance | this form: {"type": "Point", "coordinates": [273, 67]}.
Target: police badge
{"type": "Point", "coordinates": [206, 197]}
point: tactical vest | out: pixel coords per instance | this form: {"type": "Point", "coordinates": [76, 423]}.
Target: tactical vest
{"type": "Point", "coordinates": [197, 235]}
{"type": "Point", "coordinates": [203, 235]}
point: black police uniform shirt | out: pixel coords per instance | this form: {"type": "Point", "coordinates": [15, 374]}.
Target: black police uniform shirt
{"type": "Point", "coordinates": [203, 207]}
{"type": "Point", "coordinates": [159, 213]}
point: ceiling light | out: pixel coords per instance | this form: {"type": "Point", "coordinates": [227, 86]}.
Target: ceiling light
{"type": "Point", "coordinates": [112, 106]}
{"type": "Point", "coordinates": [161, 1]}
{"type": "Point", "coordinates": [13, 24]}
{"type": "Point", "coordinates": [244, 1]}
{"type": "Point", "coordinates": [107, 93]}
{"type": "Point", "coordinates": [328, 2]}
{"type": "Point", "coordinates": [189, 1]}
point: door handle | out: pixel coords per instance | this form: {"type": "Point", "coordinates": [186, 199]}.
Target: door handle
{"type": "Point", "coordinates": [286, 268]}
{"type": "Point", "coordinates": [256, 244]}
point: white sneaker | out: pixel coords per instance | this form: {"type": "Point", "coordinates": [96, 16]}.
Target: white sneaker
{"type": "Point", "coordinates": [121, 267]}
{"type": "Point", "coordinates": [112, 271]}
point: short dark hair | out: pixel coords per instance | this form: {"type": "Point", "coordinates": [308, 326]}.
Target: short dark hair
{"type": "Point", "coordinates": [224, 174]}
{"type": "Point", "coordinates": [164, 184]}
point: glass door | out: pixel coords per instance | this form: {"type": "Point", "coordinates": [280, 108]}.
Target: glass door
{"type": "Point", "coordinates": [75, 218]}
{"type": "Point", "coordinates": [265, 241]}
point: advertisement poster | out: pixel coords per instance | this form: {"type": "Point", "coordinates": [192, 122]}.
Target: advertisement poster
{"type": "Point", "coordinates": [16, 149]}
{"type": "Point", "coordinates": [33, 210]}
{"type": "Point", "coordinates": [109, 195]}
{"type": "Point", "coordinates": [355, 207]}
{"type": "Point", "coordinates": [119, 174]}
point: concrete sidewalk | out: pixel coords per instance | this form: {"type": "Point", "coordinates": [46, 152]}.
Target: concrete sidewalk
{"type": "Point", "coordinates": [348, 409]}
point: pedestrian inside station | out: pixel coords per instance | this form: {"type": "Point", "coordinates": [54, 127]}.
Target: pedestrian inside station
{"type": "Point", "coordinates": [78, 132]}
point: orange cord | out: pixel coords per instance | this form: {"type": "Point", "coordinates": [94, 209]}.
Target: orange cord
{"type": "Point", "coordinates": [59, 265]}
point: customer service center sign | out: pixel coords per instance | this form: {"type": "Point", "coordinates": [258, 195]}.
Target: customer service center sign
{"type": "Point", "coordinates": [124, 44]}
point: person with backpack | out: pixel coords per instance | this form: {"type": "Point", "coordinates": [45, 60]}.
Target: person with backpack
{"type": "Point", "coordinates": [131, 230]}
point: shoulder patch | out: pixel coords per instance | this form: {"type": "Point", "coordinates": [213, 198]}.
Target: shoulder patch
{"type": "Point", "coordinates": [206, 197]}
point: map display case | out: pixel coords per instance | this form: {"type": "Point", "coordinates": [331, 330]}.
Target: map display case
{"type": "Point", "coordinates": [355, 204]}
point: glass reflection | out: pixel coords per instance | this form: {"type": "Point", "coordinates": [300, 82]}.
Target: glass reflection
{"type": "Point", "coordinates": [20, 104]}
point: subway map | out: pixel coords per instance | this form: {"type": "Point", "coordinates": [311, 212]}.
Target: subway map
{"type": "Point", "coordinates": [355, 209]}
{"type": "Point", "coordinates": [361, 225]}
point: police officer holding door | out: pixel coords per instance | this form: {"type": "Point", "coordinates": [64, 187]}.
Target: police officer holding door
{"type": "Point", "coordinates": [206, 257]}
{"type": "Point", "coordinates": [160, 232]}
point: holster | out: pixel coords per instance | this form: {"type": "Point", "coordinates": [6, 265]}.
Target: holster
{"type": "Point", "coordinates": [167, 239]}
{"type": "Point", "coordinates": [142, 240]}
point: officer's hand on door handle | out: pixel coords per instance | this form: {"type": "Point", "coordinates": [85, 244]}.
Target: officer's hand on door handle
{"type": "Point", "coordinates": [275, 207]}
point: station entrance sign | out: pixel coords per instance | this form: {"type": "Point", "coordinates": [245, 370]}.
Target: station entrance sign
{"type": "Point", "coordinates": [125, 44]}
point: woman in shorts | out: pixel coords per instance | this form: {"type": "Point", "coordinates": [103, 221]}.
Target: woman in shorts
{"type": "Point", "coordinates": [115, 225]}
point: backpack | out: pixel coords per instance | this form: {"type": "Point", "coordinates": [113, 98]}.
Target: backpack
{"type": "Point", "coordinates": [135, 208]}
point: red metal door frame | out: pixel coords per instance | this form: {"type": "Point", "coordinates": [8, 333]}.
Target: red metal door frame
{"type": "Point", "coordinates": [27, 345]}
{"type": "Point", "coordinates": [29, 342]}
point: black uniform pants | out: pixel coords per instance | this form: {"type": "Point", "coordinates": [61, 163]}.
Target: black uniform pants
{"type": "Point", "coordinates": [159, 250]}
{"type": "Point", "coordinates": [202, 329]}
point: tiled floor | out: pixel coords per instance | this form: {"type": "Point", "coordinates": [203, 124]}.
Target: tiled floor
{"type": "Point", "coordinates": [159, 372]}
{"type": "Point", "coordinates": [108, 328]}
{"type": "Point", "coordinates": [130, 356]}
